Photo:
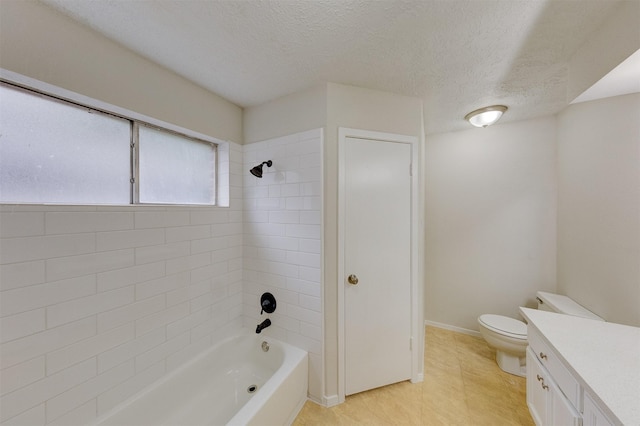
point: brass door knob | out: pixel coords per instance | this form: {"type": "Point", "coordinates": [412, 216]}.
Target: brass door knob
{"type": "Point", "coordinates": [352, 279]}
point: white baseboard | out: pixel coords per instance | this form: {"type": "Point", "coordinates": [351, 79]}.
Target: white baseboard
{"type": "Point", "coordinates": [418, 379]}
{"type": "Point", "coordinates": [330, 401]}
{"type": "Point", "coordinates": [315, 400]}
{"type": "Point", "coordinates": [452, 328]}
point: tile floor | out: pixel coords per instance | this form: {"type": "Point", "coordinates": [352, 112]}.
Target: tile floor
{"type": "Point", "coordinates": [463, 386]}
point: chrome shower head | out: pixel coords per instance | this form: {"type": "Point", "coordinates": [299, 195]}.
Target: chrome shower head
{"type": "Point", "coordinates": [257, 170]}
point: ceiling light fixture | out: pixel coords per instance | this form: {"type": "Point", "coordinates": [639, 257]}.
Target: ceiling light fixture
{"type": "Point", "coordinates": [486, 116]}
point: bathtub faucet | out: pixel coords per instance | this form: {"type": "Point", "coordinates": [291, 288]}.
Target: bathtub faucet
{"type": "Point", "coordinates": [264, 324]}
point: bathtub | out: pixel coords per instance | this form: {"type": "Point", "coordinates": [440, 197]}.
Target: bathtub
{"type": "Point", "coordinates": [234, 383]}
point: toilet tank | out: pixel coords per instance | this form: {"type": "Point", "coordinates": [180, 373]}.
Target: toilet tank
{"type": "Point", "coordinates": [563, 305]}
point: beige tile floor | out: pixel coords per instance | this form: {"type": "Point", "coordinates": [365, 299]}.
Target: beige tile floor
{"type": "Point", "coordinates": [463, 386]}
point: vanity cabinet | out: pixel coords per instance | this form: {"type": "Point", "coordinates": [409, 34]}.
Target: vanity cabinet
{"type": "Point", "coordinates": [554, 396]}
{"type": "Point", "coordinates": [581, 371]}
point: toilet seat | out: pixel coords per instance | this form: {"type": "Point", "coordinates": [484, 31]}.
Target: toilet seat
{"type": "Point", "coordinates": [504, 325]}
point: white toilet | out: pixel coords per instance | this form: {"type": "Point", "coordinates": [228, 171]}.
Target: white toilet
{"type": "Point", "coordinates": [509, 336]}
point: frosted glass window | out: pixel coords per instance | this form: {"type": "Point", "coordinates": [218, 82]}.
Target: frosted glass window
{"type": "Point", "coordinates": [56, 152]}
{"type": "Point", "coordinates": [174, 169]}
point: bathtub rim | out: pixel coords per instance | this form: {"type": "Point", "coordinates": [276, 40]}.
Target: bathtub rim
{"type": "Point", "coordinates": [291, 353]}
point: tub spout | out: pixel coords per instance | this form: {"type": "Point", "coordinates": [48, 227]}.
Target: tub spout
{"type": "Point", "coordinates": [264, 324]}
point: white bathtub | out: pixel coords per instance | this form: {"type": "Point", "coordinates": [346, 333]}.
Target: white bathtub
{"type": "Point", "coordinates": [214, 389]}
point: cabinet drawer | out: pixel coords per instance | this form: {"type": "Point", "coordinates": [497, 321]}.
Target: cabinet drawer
{"type": "Point", "coordinates": [565, 381]}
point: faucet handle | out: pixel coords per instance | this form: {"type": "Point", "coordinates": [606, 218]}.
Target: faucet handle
{"type": "Point", "coordinates": [267, 303]}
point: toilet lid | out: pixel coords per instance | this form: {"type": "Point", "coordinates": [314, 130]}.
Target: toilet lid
{"type": "Point", "coordinates": [504, 325]}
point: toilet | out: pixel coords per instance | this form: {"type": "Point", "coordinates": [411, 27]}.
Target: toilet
{"type": "Point", "coordinates": [509, 336]}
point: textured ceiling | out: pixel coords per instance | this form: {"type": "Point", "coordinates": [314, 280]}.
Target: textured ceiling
{"type": "Point", "coordinates": [457, 55]}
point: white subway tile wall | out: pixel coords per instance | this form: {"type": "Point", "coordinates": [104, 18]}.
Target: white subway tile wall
{"type": "Point", "coordinates": [282, 242]}
{"type": "Point", "coordinates": [97, 303]}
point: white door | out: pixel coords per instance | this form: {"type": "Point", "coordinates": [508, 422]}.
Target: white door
{"type": "Point", "coordinates": [377, 252]}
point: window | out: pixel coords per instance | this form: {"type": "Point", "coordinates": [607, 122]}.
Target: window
{"type": "Point", "coordinates": [174, 169]}
{"type": "Point", "coordinates": [54, 151]}
{"type": "Point", "coordinates": [57, 152]}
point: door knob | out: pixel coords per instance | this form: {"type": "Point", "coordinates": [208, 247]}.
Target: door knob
{"type": "Point", "coordinates": [352, 279]}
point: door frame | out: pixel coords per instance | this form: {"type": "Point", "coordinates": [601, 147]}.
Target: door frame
{"type": "Point", "coordinates": [417, 323]}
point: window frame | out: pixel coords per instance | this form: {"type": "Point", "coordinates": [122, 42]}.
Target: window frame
{"type": "Point", "coordinates": [134, 154]}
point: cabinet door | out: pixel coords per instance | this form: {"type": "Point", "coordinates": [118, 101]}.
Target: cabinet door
{"type": "Point", "coordinates": [592, 415]}
{"type": "Point", "coordinates": [562, 412]}
{"type": "Point", "coordinates": [537, 396]}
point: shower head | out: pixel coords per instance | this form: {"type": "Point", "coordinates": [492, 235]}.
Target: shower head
{"type": "Point", "coordinates": [257, 170]}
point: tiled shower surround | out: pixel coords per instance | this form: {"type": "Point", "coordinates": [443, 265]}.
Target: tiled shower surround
{"type": "Point", "coordinates": [282, 242]}
{"type": "Point", "coordinates": [94, 314]}
{"type": "Point", "coordinates": [97, 303]}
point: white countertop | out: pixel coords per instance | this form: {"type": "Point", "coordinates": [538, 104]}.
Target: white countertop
{"type": "Point", "coordinates": [604, 357]}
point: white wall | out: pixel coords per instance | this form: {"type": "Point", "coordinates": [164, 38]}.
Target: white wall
{"type": "Point", "coordinates": [282, 243]}
{"type": "Point", "coordinates": [98, 302]}
{"type": "Point", "coordinates": [490, 220]}
{"type": "Point", "coordinates": [41, 43]}
{"type": "Point", "coordinates": [599, 206]}
{"type": "Point", "coordinates": [287, 115]}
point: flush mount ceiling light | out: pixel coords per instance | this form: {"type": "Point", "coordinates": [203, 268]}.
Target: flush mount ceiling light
{"type": "Point", "coordinates": [484, 117]}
